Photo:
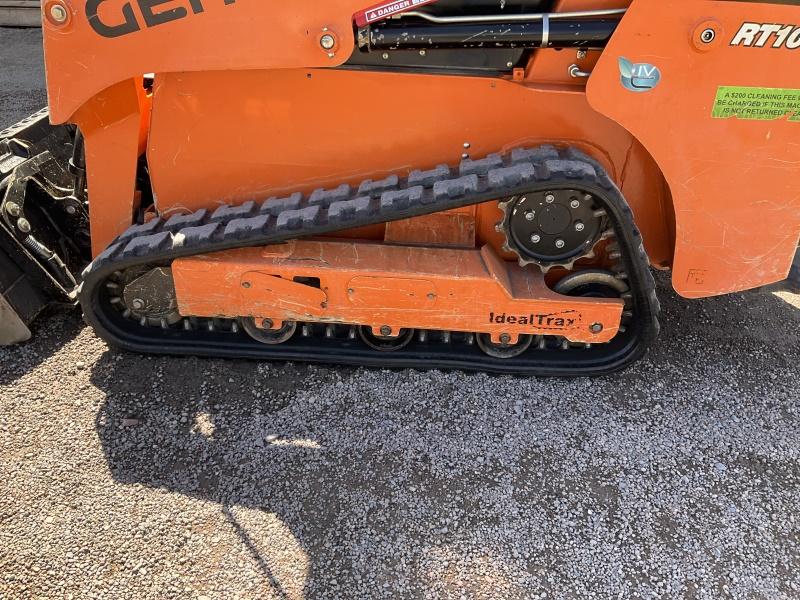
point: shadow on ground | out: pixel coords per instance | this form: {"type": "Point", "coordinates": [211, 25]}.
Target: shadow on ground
{"type": "Point", "coordinates": [52, 330]}
{"type": "Point", "coordinates": [654, 481]}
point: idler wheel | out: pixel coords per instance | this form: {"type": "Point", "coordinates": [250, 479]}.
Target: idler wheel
{"type": "Point", "coordinates": [504, 350]}
{"type": "Point", "coordinates": [267, 335]}
{"type": "Point", "coordinates": [385, 343]}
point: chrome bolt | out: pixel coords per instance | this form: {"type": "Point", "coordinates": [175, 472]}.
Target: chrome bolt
{"type": "Point", "coordinates": [327, 41]}
{"type": "Point", "coordinates": [530, 215]}
{"type": "Point", "coordinates": [575, 204]}
{"type": "Point", "coordinates": [510, 64]}
{"type": "Point", "coordinates": [581, 54]}
{"type": "Point", "coordinates": [24, 226]}
{"type": "Point", "coordinates": [385, 56]}
{"type": "Point", "coordinates": [596, 328]}
{"type": "Point", "coordinates": [560, 244]}
{"type": "Point", "coordinates": [465, 156]}
{"type": "Point", "coordinates": [550, 198]}
{"type": "Point", "coordinates": [536, 238]}
{"type": "Point", "coordinates": [579, 226]}
{"type": "Point", "coordinates": [708, 36]}
{"type": "Point", "coordinates": [58, 13]}
{"type": "Point", "coordinates": [505, 339]}
{"type": "Point", "coordinates": [467, 145]}
{"type": "Point", "coordinates": [422, 53]}
{"type": "Point", "coordinates": [137, 304]}
{"type": "Point", "coordinates": [13, 209]}
{"type": "Point", "coordinates": [386, 331]}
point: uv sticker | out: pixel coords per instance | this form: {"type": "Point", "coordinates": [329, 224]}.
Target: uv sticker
{"type": "Point", "coordinates": [639, 77]}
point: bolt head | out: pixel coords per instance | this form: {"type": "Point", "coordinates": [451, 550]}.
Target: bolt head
{"type": "Point", "coordinates": [560, 244]}
{"type": "Point", "coordinates": [24, 225]}
{"type": "Point", "coordinates": [708, 36]}
{"type": "Point", "coordinates": [386, 331]}
{"type": "Point", "coordinates": [58, 13]}
{"type": "Point", "coordinates": [422, 53]}
{"type": "Point", "coordinates": [71, 210]}
{"type": "Point", "coordinates": [530, 215]}
{"type": "Point", "coordinates": [505, 339]}
{"type": "Point", "coordinates": [579, 226]}
{"type": "Point", "coordinates": [550, 198]}
{"type": "Point", "coordinates": [267, 324]}
{"type": "Point", "coordinates": [246, 285]}
{"type": "Point", "coordinates": [385, 56]}
{"type": "Point", "coordinates": [596, 328]}
{"type": "Point", "coordinates": [13, 209]}
{"type": "Point", "coordinates": [327, 41]}
{"type": "Point", "coordinates": [137, 304]}
{"type": "Point", "coordinates": [536, 238]}
{"type": "Point", "coordinates": [575, 204]}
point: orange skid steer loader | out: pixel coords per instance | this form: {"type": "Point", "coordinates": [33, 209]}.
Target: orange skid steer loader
{"type": "Point", "coordinates": [478, 185]}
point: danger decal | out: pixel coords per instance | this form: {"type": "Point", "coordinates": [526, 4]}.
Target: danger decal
{"type": "Point", "coordinates": [386, 10]}
{"type": "Point", "coordinates": [757, 104]}
{"type": "Point", "coordinates": [767, 35]}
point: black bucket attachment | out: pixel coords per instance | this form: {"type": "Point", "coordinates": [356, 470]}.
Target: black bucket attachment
{"type": "Point", "coordinates": [44, 222]}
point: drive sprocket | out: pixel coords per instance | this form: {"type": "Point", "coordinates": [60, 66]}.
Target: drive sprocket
{"type": "Point", "coordinates": [553, 228]}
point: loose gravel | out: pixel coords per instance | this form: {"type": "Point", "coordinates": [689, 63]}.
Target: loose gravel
{"type": "Point", "coordinates": [123, 476]}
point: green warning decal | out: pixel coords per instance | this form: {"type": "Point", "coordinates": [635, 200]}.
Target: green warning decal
{"type": "Point", "coordinates": [757, 104]}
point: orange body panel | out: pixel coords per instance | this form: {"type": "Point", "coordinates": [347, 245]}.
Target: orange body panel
{"type": "Point", "coordinates": [278, 140]}
{"type": "Point", "coordinates": [246, 105]}
{"type": "Point", "coordinates": [382, 285]}
{"type": "Point", "coordinates": [735, 183]}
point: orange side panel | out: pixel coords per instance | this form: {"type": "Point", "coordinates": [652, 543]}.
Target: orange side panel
{"type": "Point", "coordinates": [112, 125]}
{"type": "Point", "coordinates": [230, 137]}
{"type": "Point", "coordinates": [380, 285]}
{"type": "Point", "coordinates": [244, 34]}
{"type": "Point", "coordinates": [735, 183]}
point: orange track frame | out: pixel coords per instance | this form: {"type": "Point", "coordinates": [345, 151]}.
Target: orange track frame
{"type": "Point", "coordinates": [381, 285]}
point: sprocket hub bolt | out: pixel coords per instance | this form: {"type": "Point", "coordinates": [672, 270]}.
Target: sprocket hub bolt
{"type": "Point", "coordinates": [575, 204]}
{"type": "Point", "coordinates": [560, 244]}
{"type": "Point", "coordinates": [536, 238]}
{"type": "Point", "coordinates": [137, 304]}
{"type": "Point", "coordinates": [530, 215]}
{"type": "Point", "coordinates": [550, 198]}
{"type": "Point", "coordinates": [579, 226]}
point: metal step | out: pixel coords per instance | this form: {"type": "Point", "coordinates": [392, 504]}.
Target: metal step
{"type": "Point", "coordinates": [20, 13]}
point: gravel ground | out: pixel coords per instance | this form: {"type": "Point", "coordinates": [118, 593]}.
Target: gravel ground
{"type": "Point", "coordinates": [123, 476]}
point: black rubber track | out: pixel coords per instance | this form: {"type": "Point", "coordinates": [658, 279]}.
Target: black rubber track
{"type": "Point", "coordinates": [326, 211]}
